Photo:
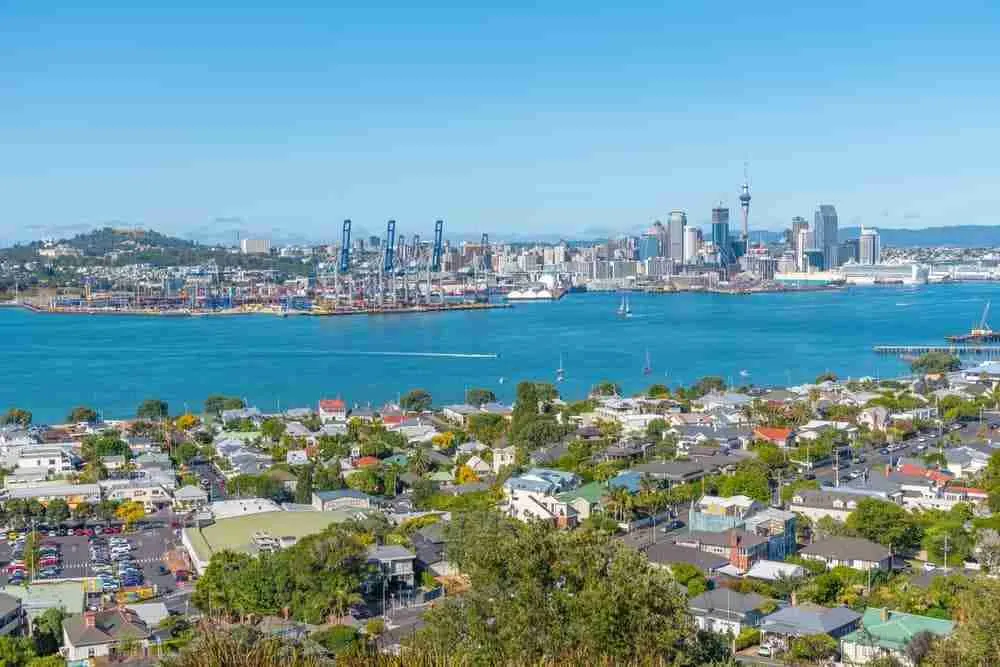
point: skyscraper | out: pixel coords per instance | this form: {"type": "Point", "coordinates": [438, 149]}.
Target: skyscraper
{"type": "Point", "coordinates": [675, 232]}
{"type": "Point", "coordinates": [649, 244]}
{"type": "Point", "coordinates": [825, 229]}
{"type": "Point", "coordinates": [720, 234]}
{"type": "Point", "coordinates": [692, 244]}
{"type": "Point", "coordinates": [798, 224]}
{"type": "Point", "coordinates": [869, 246]}
{"type": "Point", "coordinates": [804, 243]}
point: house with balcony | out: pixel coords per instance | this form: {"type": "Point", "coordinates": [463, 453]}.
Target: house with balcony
{"type": "Point", "coordinates": [393, 565]}
{"type": "Point", "coordinates": [332, 410]}
{"type": "Point", "coordinates": [98, 634]}
{"type": "Point", "coordinates": [726, 611]}
{"type": "Point", "coordinates": [716, 514]}
{"type": "Point", "coordinates": [885, 634]}
{"type": "Point", "coordinates": [534, 495]}
{"type": "Point", "coordinates": [853, 552]}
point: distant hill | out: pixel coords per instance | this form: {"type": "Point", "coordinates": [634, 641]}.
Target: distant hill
{"type": "Point", "coordinates": [959, 236]}
{"type": "Point", "coordinates": [108, 239]}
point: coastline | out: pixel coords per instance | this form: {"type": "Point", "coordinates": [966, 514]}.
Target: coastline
{"type": "Point", "coordinates": [235, 312]}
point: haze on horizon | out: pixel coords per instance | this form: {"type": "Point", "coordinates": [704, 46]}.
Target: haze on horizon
{"type": "Point", "coordinates": [576, 119]}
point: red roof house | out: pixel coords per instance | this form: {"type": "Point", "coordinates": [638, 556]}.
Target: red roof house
{"type": "Point", "coordinates": [782, 437]}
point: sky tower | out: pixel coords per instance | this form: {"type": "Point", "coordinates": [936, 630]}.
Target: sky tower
{"type": "Point", "coordinates": [745, 206]}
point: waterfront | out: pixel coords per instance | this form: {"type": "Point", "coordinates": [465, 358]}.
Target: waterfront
{"type": "Point", "coordinates": [112, 363]}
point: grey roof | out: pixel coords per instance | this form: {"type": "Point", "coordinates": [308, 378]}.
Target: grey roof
{"type": "Point", "coordinates": [847, 548]}
{"type": "Point", "coordinates": [8, 603]}
{"type": "Point", "coordinates": [809, 620]}
{"type": "Point", "coordinates": [111, 626]}
{"type": "Point", "coordinates": [190, 492]}
{"type": "Point", "coordinates": [664, 553]}
{"type": "Point", "coordinates": [670, 469]}
{"type": "Point", "coordinates": [390, 552]}
{"type": "Point", "coordinates": [722, 539]}
{"type": "Point", "coordinates": [335, 494]}
{"type": "Point", "coordinates": [726, 600]}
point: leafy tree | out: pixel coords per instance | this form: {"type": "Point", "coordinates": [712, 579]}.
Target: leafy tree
{"type": "Point", "coordinates": [82, 413]}
{"type": "Point", "coordinates": [418, 461]}
{"type": "Point", "coordinates": [656, 428]}
{"type": "Point", "coordinates": [826, 376]}
{"type": "Point", "coordinates": [708, 384]}
{"type": "Point", "coordinates": [152, 409]}
{"type": "Point", "coordinates": [465, 475]}
{"type": "Point", "coordinates": [416, 400]}
{"type": "Point", "coordinates": [975, 641]}
{"type": "Point", "coordinates": [16, 417]}
{"type": "Point", "coordinates": [479, 396]}
{"type": "Point", "coordinates": [272, 429]}
{"type": "Point", "coordinates": [16, 651]}
{"type": "Point", "coordinates": [885, 523]}
{"type": "Point", "coordinates": [337, 639]}
{"type": "Point", "coordinates": [304, 486]}
{"type": "Point", "coordinates": [935, 362]}
{"type": "Point", "coordinates": [487, 428]}
{"type": "Point", "coordinates": [216, 404]}
{"type": "Point", "coordinates": [47, 632]}
{"type": "Point", "coordinates": [130, 512]}
{"type": "Point", "coordinates": [750, 479]}
{"type": "Point", "coordinates": [187, 421]}
{"type": "Point", "coordinates": [658, 391]}
{"type": "Point", "coordinates": [537, 593]}
{"type": "Point", "coordinates": [606, 388]}
{"type": "Point", "coordinates": [811, 649]}
{"type": "Point", "coordinates": [57, 511]}
{"type": "Point", "coordinates": [366, 480]}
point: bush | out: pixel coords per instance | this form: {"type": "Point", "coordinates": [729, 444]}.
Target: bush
{"type": "Point", "coordinates": [336, 639]}
{"type": "Point", "coordinates": [748, 637]}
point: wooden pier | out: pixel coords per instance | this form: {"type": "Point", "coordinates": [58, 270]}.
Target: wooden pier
{"type": "Point", "coordinates": [991, 351]}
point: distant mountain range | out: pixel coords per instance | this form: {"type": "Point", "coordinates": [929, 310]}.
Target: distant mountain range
{"type": "Point", "coordinates": [959, 236]}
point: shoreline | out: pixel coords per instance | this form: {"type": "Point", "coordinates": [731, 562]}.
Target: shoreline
{"type": "Point", "coordinates": [237, 312]}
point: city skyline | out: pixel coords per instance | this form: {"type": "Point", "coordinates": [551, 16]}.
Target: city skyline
{"type": "Point", "coordinates": [510, 122]}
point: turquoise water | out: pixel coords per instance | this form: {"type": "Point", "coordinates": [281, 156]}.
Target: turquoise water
{"type": "Point", "coordinates": [52, 362]}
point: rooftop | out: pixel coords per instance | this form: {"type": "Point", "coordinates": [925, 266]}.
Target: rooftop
{"type": "Point", "coordinates": [894, 629]}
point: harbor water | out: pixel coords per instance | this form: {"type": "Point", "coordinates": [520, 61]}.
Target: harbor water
{"type": "Point", "coordinates": [52, 362]}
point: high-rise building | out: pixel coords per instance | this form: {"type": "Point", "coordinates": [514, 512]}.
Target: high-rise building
{"type": "Point", "coordinates": [255, 246]}
{"type": "Point", "coordinates": [848, 252]}
{"type": "Point", "coordinates": [745, 208]}
{"type": "Point", "coordinates": [805, 242]}
{"type": "Point", "coordinates": [675, 233]}
{"type": "Point", "coordinates": [825, 229]}
{"type": "Point", "coordinates": [720, 234]}
{"type": "Point", "coordinates": [798, 224]}
{"type": "Point", "coordinates": [692, 244]}
{"type": "Point", "coordinates": [869, 246]}
{"type": "Point", "coordinates": [661, 233]}
{"type": "Point", "coordinates": [649, 245]}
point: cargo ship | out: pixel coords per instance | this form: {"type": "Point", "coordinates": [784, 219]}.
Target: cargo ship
{"type": "Point", "coordinates": [981, 333]}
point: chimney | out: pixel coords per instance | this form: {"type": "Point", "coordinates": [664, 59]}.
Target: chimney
{"type": "Point", "coordinates": [89, 619]}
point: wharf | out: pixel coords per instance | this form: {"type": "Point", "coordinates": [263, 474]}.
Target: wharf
{"type": "Point", "coordinates": [991, 351]}
{"type": "Point", "coordinates": [274, 312]}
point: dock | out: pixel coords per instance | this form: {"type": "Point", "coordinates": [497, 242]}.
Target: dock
{"type": "Point", "coordinates": [991, 351]}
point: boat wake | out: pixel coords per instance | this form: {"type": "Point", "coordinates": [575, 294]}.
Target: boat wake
{"type": "Point", "coordinates": [436, 355]}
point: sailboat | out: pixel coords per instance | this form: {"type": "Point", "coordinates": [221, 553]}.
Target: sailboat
{"type": "Point", "coordinates": [648, 368]}
{"type": "Point", "coordinates": [560, 372]}
{"type": "Point", "coordinates": [624, 310]}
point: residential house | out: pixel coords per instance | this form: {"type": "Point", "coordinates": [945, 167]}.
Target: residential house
{"type": "Point", "coordinates": [54, 459]}
{"type": "Point", "coordinates": [241, 414]}
{"type": "Point", "coordinates": [394, 565]}
{"type": "Point", "coordinates": [297, 457]}
{"type": "Point", "coordinates": [772, 570]}
{"type": "Point", "coordinates": [533, 495]}
{"type": "Point", "coordinates": [884, 633]}
{"type": "Point", "coordinates": [585, 500]}
{"type": "Point", "coordinates": [624, 452]}
{"type": "Point", "coordinates": [815, 504]}
{"type": "Point", "coordinates": [460, 413]}
{"type": "Point", "coordinates": [725, 611]}
{"type": "Point", "coordinates": [665, 554]}
{"type": "Point", "coordinates": [875, 418]}
{"type": "Point", "coordinates": [853, 552]}
{"type": "Point", "coordinates": [782, 437]}
{"type": "Point", "coordinates": [741, 548]}
{"type": "Point", "coordinates": [727, 400]}
{"type": "Point", "coordinates": [113, 463]}
{"type": "Point", "coordinates": [965, 462]}
{"type": "Point", "coordinates": [778, 527]}
{"type": "Point", "coordinates": [669, 473]}
{"type": "Point", "coordinates": [716, 514]}
{"type": "Point", "coordinates": [332, 410]}
{"type": "Point", "coordinates": [429, 545]}
{"type": "Point", "coordinates": [791, 622]}
{"type": "Point", "coordinates": [341, 499]}
{"type": "Point", "coordinates": [479, 465]}
{"type": "Point", "coordinates": [500, 409]}
{"type": "Point", "coordinates": [504, 457]}
{"type": "Point", "coordinates": [95, 634]}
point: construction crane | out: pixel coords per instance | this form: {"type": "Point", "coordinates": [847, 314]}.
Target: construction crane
{"type": "Point", "coordinates": [390, 246]}
{"type": "Point", "coordinates": [345, 248]}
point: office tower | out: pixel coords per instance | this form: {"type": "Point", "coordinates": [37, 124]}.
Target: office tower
{"type": "Point", "coordinates": [848, 251]}
{"type": "Point", "coordinates": [869, 246]}
{"type": "Point", "coordinates": [374, 242]}
{"type": "Point", "coordinates": [255, 246]}
{"type": "Point", "coordinates": [675, 233]}
{"type": "Point", "coordinates": [798, 224]}
{"type": "Point", "coordinates": [720, 234]}
{"type": "Point", "coordinates": [663, 235]}
{"type": "Point", "coordinates": [692, 244]}
{"type": "Point", "coordinates": [649, 244]}
{"type": "Point", "coordinates": [804, 243]}
{"type": "Point", "coordinates": [825, 229]}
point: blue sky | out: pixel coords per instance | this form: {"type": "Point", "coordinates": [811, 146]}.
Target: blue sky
{"type": "Point", "coordinates": [563, 118]}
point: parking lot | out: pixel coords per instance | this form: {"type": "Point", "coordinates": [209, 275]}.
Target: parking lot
{"type": "Point", "coordinates": [148, 547]}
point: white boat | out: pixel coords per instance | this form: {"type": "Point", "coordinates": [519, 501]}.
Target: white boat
{"type": "Point", "coordinates": [624, 310]}
{"type": "Point", "coordinates": [560, 372]}
{"type": "Point", "coordinates": [648, 368]}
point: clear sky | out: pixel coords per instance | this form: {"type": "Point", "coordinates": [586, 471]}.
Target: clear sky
{"type": "Point", "coordinates": [564, 118]}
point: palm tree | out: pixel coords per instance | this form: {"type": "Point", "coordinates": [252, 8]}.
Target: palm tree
{"type": "Point", "coordinates": [342, 599]}
{"type": "Point", "coordinates": [619, 500]}
{"type": "Point", "coordinates": [419, 461]}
